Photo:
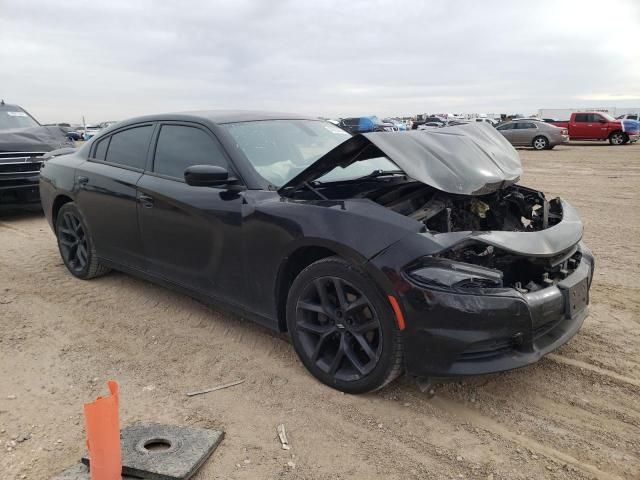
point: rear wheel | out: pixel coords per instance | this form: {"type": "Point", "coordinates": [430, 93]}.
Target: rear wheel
{"type": "Point", "coordinates": [342, 327]}
{"type": "Point", "coordinates": [540, 143]}
{"type": "Point", "coordinates": [75, 244]}
{"type": "Point", "coordinates": [618, 138]}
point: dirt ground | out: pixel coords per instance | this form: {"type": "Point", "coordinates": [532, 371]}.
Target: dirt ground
{"type": "Point", "coordinates": [575, 414]}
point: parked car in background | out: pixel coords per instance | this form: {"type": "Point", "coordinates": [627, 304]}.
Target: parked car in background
{"type": "Point", "coordinates": [600, 126]}
{"type": "Point", "coordinates": [430, 125]}
{"type": "Point", "coordinates": [398, 124]}
{"type": "Point", "coordinates": [366, 124]}
{"type": "Point", "coordinates": [71, 132]}
{"type": "Point", "coordinates": [23, 142]}
{"type": "Point", "coordinates": [629, 116]}
{"type": "Point", "coordinates": [533, 133]}
{"type": "Point", "coordinates": [490, 121]}
{"type": "Point", "coordinates": [91, 130]}
{"type": "Point", "coordinates": [426, 120]}
{"type": "Point", "coordinates": [378, 253]}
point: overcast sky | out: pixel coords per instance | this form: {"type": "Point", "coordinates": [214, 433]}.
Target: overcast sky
{"type": "Point", "coordinates": [113, 59]}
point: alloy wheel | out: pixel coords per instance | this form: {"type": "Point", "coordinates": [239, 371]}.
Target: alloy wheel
{"type": "Point", "coordinates": [338, 328]}
{"type": "Point", "coordinates": [540, 143]}
{"type": "Point", "coordinates": [73, 242]}
{"type": "Point", "coordinates": [617, 139]}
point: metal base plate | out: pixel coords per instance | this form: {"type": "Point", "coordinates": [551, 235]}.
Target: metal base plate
{"type": "Point", "coordinates": [165, 452]}
{"type": "Point", "coordinates": [80, 472]}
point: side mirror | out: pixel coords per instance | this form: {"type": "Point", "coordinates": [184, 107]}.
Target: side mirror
{"type": "Point", "coordinates": [602, 120]}
{"type": "Point", "coordinates": [207, 176]}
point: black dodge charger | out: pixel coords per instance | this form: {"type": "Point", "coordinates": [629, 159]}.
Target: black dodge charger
{"type": "Point", "coordinates": [378, 253]}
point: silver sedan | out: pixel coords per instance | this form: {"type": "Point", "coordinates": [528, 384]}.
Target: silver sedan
{"type": "Point", "coordinates": [533, 133]}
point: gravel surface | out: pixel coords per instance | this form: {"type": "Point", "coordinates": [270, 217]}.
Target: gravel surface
{"type": "Point", "coordinates": [575, 414]}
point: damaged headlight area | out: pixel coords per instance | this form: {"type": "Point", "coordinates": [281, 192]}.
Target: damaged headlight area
{"type": "Point", "coordinates": [477, 265]}
{"type": "Point", "coordinates": [440, 272]}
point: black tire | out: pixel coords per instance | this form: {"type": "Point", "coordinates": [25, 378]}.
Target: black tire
{"type": "Point", "coordinates": [540, 143]}
{"type": "Point", "coordinates": [330, 345]}
{"type": "Point", "coordinates": [618, 138]}
{"type": "Point", "coordinates": [76, 247]}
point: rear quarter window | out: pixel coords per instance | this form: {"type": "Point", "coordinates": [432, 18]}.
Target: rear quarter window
{"type": "Point", "coordinates": [100, 150]}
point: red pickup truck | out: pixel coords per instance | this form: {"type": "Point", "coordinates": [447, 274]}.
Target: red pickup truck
{"type": "Point", "coordinates": [600, 126]}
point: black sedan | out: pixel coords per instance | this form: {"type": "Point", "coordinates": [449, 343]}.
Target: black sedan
{"type": "Point", "coordinates": [378, 253]}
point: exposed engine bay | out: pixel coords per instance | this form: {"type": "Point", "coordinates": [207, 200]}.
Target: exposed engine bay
{"type": "Point", "coordinates": [514, 208]}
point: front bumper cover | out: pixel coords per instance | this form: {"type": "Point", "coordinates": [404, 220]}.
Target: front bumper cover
{"type": "Point", "coordinates": [451, 334]}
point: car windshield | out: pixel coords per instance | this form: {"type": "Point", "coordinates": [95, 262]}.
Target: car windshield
{"type": "Point", "coordinates": [16, 118]}
{"type": "Point", "coordinates": [607, 117]}
{"type": "Point", "coordinates": [281, 149]}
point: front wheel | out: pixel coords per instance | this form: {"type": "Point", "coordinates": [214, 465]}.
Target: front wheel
{"type": "Point", "coordinates": [617, 138]}
{"type": "Point", "coordinates": [540, 143]}
{"type": "Point", "coordinates": [342, 327]}
{"type": "Point", "coordinates": [75, 244]}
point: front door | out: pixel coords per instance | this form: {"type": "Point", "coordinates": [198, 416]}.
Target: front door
{"type": "Point", "coordinates": [507, 131]}
{"type": "Point", "coordinates": [191, 235]}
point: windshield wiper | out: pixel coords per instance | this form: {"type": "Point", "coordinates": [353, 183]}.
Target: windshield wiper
{"type": "Point", "coordinates": [381, 173]}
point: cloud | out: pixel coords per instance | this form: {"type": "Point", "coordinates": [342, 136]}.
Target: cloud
{"type": "Point", "coordinates": [116, 59]}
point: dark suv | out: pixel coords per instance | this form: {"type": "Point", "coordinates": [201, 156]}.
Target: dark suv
{"type": "Point", "coordinates": [23, 142]}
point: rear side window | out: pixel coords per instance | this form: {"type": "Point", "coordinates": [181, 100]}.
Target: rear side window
{"type": "Point", "coordinates": [180, 147]}
{"type": "Point", "coordinates": [582, 117]}
{"type": "Point", "coordinates": [129, 147]}
{"type": "Point", "coordinates": [100, 151]}
{"type": "Point", "coordinates": [525, 125]}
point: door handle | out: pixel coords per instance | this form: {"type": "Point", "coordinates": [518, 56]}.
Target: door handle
{"type": "Point", "coordinates": [83, 180]}
{"type": "Point", "coordinates": [145, 200]}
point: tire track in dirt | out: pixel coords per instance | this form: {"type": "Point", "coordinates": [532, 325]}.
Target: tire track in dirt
{"type": "Point", "coordinates": [593, 369]}
{"type": "Point", "coordinates": [491, 425]}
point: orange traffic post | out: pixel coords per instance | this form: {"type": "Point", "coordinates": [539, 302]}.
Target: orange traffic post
{"type": "Point", "coordinates": [103, 436]}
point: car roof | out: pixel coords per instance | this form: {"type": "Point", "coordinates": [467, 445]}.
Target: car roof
{"type": "Point", "coordinates": [8, 106]}
{"type": "Point", "coordinates": [218, 116]}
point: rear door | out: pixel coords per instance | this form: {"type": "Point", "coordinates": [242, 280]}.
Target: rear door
{"type": "Point", "coordinates": [191, 235]}
{"type": "Point", "coordinates": [524, 133]}
{"type": "Point", "coordinates": [581, 125]}
{"type": "Point", "coordinates": [106, 195]}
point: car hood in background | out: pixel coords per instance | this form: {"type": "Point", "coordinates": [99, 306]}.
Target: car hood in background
{"type": "Point", "coordinates": [463, 159]}
{"type": "Point", "coordinates": [34, 139]}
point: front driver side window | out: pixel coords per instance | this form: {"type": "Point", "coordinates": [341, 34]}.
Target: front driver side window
{"type": "Point", "coordinates": [181, 146]}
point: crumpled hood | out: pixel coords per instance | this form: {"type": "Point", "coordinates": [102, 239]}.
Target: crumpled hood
{"type": "Point", "coordinates": [471, 159]}
{"type": "Point", "coordinates": [34, 139]}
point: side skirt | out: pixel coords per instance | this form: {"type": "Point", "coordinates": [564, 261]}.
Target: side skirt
{"type": "Point", "coordinates": [207, 299]}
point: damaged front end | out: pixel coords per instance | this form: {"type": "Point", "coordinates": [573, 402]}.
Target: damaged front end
{"type": "Point", "coordinates": [493, 235]}
{"type": "Point", "coordinates": [491, 275]}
